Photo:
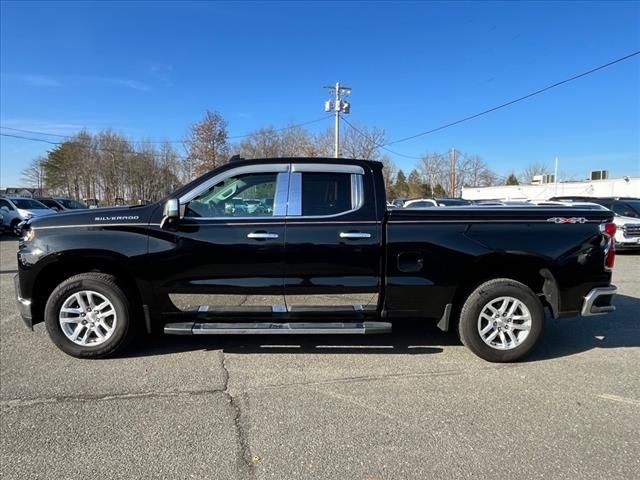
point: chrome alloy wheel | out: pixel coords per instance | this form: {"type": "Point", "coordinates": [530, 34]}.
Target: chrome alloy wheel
{"type": "Point", "coordinates": [504, 323]}
{"type": "Point", "coordinates": [87, 318]}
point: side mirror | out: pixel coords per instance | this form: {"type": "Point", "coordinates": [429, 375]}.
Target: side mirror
{"type": "Point", "coordinates": [4, 208]}
{"type": "Point", "coordinates": [171, 212]}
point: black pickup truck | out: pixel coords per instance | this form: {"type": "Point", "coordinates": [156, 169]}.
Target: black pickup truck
{"type": "Point", "coordinates": [288, 245]}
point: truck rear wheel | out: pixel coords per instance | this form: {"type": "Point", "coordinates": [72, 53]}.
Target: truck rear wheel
{"type": "Point", "coordinates": [501, 321]}
{"type": "Point", "coordinates": [88, 316]}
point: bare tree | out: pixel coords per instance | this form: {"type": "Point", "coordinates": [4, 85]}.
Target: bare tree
{"type": "Point", "coordinates": [207, 144]}
{"type": "Point", "coordinates": [472, 171]}
{"type": "Point", "coordinates": [296, 141]}
{"type": "Point", "coordinates": [363, 143]}
{"type": "Point", "coordinates": [533, 169]}
{"type": "Point", "coordinates": [262, 143]}
{"type": "Point", "coordinates": [33, 175]}
{"type": "Point", "coordinates": [435, 170]}
{"type": "Point", "coordinates": [389, 172]}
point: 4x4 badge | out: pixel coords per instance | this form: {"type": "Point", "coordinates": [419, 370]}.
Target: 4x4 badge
{"type": "Point", "coordinates": [567, 220]}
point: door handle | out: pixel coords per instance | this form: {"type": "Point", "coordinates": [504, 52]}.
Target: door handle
{"type": "Point", "coordinates": [262, 235]}
{"type": "Point", "coordinates": [354, 235]}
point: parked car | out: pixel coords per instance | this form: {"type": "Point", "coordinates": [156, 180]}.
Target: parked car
{"type": "Point", "coordinates": [61, 204]}
{"type": "Point", "coordinates": [420, 203]}
{"type": "Point", "coordinates": [452, 202]}
{"type": "Point", "coordinates": [347, 265]}
{"type": "Point", "coordinates": [18, 209]}
{"type": "Point", "coordinates": [2, 225]}
{"type": "Point", "coordinates": [627, 218]}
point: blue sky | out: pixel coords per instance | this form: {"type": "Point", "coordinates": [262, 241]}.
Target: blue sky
{"type": "Point", "coordinates": [149, 70]}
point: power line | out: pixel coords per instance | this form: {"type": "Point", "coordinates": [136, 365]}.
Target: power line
{"type": "Point", "coordinates": [529, 95]}
{"type": "Point", "coordinates": [379, 145]}
{"type": "Point", "coordinates": [232, 137]}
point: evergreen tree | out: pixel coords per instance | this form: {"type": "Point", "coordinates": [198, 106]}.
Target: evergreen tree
{"type": "Point", "coordinates": [512, 180]}
{"type": "Point", "coordinates": [401, 187]}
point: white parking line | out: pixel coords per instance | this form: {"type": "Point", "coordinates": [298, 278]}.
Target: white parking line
{"type": "Point", "coordinates": [617, 398]}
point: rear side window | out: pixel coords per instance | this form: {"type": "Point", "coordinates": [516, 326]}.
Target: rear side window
{"type": "Point", "coordinates": [325, 193]}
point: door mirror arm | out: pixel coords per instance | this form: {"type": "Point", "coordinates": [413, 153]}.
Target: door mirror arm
{"type": "Point", "coordinates": [170, 214]}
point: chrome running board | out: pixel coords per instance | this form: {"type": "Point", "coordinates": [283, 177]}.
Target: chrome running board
{"type": "Point", "coordinates": [262, 328]}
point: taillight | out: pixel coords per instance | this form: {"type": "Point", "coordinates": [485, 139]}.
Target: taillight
{"type": "Point", "coordinates": [609, 230]}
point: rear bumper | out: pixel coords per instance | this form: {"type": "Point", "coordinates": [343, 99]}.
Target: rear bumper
{"type": "Point", "coordinates": [598, 301]}
{"type": "Point", "coordinates": [24, 304]}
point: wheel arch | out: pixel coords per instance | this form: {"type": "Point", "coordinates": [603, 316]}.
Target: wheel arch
{"type": "Point", "coordinates": [72, 263]}
{"type": "Point", "coordinates": [533, 271]}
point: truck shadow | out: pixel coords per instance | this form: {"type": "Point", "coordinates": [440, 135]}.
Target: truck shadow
{"type": "Point", "coordinates": [406, 339]}
{"type": "Point", "coordinates": [570, 336]}
{"type": "Point", "coordinates": [562, 337]}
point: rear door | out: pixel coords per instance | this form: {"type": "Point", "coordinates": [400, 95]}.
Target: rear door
{"type": "Point", "coordinates": [333, 242]}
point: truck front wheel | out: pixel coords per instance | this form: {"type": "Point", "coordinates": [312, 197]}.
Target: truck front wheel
{"type": "Point", "coordinates": [88, 316]}
{"type": "Point", "coordinates": [501, 321]}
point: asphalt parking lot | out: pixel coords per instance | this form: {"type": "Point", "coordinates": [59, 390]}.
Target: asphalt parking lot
{"type": "Point", "coordinates": [412, 404]}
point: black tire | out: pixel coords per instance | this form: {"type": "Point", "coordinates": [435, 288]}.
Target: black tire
{"type": "Point", "coordinates": [105, 285]}
{"type": "Point", "coordinates": [479, 299]}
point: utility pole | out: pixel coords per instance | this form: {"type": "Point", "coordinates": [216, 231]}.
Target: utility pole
{"type": "Point", "coordinates": [555, 177]}
{"type": "Point", "coordinates": [453, 172]}
{"type": "Point", "coordinates": [337, 105]}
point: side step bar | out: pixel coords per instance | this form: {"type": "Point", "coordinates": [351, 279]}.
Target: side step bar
{"type": "Point", "coordinates": [195, 328]}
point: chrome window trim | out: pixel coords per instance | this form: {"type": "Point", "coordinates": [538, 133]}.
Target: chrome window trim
{"type": "Point", "coordinates": [326, 168]}
{"type": "Point", "coordinates": [261, 168]}
{"type": "Point", "coordinates": [294, 202]}
{"type": "Point", "coordinates": [294, 208]}
{"type": "Point", "coordinates": [280, 198]}
{"type": "Point", "coordinates": [279, 201]}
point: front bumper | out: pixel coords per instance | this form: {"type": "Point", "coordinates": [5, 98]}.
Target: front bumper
{"type": "Point", "coordinates": [24, 304]}
{"type": "Point", "coordinates": [598, 301]}
{"type": "Point", "coordinates": [627, 246]}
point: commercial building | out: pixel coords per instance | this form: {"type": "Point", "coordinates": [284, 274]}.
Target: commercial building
{"type": "Point", "coordinates": [615, 187]}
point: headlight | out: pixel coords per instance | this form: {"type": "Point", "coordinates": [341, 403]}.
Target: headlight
{"type": "Point", "coordinates": [26, 214]}
{"type": "Point", "coordinates": [29, 235]}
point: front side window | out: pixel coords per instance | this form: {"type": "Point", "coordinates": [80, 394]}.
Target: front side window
{"type": "Point", "coordinates": [325, 193]}
{"type": "Point", "coordinates": [249, 195]}
{"type": "Point", "coordinates": [4, 203]}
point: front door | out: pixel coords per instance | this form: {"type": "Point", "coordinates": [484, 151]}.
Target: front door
{"type": "Point", "coordinates": [333, 242]}
{"type": "Point", "coordinates": [227, 256]}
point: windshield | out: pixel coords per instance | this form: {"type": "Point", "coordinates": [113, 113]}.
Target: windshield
{"type": "Point", "coordinates": [72, 204]}
{"type": "Point", "coordinates": [28, 204]}
{"type": "Point", "coordinates": [626, 208]}
{"type": "Point", "coordinates": [634, 205]}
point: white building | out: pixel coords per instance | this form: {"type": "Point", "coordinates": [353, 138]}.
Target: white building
{"type": "Point", "coordinates": [615, 187]}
